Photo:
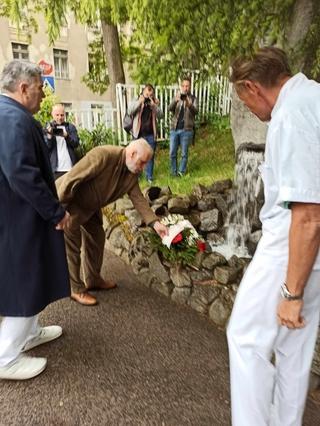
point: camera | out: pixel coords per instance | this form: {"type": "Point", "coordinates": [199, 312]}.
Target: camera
{"type": "Point", "coordinates": [183, 96]}
{"type": "Point", "coordinates": [57, 130]}
{"type": "Point", "coordinates": [147, 101]}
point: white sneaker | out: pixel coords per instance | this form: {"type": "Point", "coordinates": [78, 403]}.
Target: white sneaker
{"type": "Point", "coordinates": [46, 335]}
{"type": "Point", "coordinates": [24, 367]}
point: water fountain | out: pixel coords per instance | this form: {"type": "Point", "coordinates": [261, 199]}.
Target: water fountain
{"type": "Point", "coordinates": [244, 203]}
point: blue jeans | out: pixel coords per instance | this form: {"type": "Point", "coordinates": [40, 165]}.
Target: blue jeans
{"type": "Point", "coordinates": [150, 164]}
{"type": "Point", "coordinates": [184, 139]}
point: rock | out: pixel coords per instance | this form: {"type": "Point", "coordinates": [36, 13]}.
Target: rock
{"type": "Point", "coordinates": [220, 311]}
{"type": "Point", "coordinates": [116, 251]}
{"type": "Point", "coordinates": [253, 241]}
{"type": "Point", "coordinates": [193, 200]}
{"type": "Point", "coordinates": [225, 274]}
{"type": "Point", "coordinates": [165, 190]}
{"type": "Point", "coordinates": [152, 193]}
{"type": "Point", "coordinates": [212, 260]}
{"type": "Point", "coordinates": [180, 277]}
{"type": "Point", "coordinates": [234, 262]}
{"type": "Point", "coordinates": [199, 190]}
{"type": "Point", "coordinates": [222, 206]}
{"type": "Point", "coordinates": [203, 295]}
{"type": "Point", "coordinates": [215, 238]}
{"type": "Point", "coordinates": [161, 200]}
{"type": "Point", "coordinates": [160, 287]}
{"type": "Point", "coordinates": [316, 359]}
{"type": "Point", "coordinates": [140, 264]}
{"type": "Point", "coordinates": [116, 238]}
{"type": "Point", "coordinates": [178, 205]}
{"type": "Point", "coordinates": [194, 218]}
{"type": "Point", "coordinates": [314, 382]}
{"type": "Point", "coordinates": [134, 217]}
{"type": "Point", "coordinates": [145, 278]}
{"type": "Point", "coordinates": [159, 209]}
{"type": "Point", "coordinates": [221, 186]}
{"type": "Point", "coordinates": [123, 204]}
{"type": "Point", "coordinates": [206, 203]}
{"type": "Point", "coordinates": [141, 244]}
{"type": "Point", "coordinates": [200, 275]}
{"type": "Point", "coordinates": [157, 269]}
{"type": "Point", "coordinates": [210, 220]}
{"type": "Point", "coordinates": [197, 263]}
{"type": "Point", "coordinates": [125, 257]}
{"type": "Point", "coordinates": [181, 295]}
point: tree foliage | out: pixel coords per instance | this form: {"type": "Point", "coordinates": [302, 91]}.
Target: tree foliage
{"type": "Point", "coordinates": [97, 77]}
{"type": "Point", "coordinates": [169, 37]}
{"type": "Point", "coordinates": [50, 99]}
{"type": "Point", "coordinates": [191, 34]}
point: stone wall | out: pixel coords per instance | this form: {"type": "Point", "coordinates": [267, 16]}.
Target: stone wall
{"type": "Point", "coordinates": [210, 284]}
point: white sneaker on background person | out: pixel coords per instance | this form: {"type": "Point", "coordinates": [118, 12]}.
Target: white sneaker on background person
{"type": "Point", "coordinates": [23, 368]}
{"type": "Point", "coordinates": [45, 335]}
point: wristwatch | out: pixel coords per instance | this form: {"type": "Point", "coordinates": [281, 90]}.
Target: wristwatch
{"type": "Point", "coordinates": [285, 293]}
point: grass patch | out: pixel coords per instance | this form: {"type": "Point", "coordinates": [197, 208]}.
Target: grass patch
{"type": "Point", "coordinates": [210, 159]}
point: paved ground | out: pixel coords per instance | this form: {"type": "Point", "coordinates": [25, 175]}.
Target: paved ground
{"type": "Point", "coordinates": [135, 359]}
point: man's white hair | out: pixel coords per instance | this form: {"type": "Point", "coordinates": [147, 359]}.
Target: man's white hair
{"type": "Point", "coordinates": [16, 71]}
{"type": "Point", "coordinates": [141, 147]}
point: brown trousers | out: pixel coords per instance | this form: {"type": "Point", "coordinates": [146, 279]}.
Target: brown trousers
{"type": "Point", "coordinates": [84, 238]}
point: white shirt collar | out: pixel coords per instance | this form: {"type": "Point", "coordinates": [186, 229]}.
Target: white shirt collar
{"type": "Point", "coordinates": [294, 81]}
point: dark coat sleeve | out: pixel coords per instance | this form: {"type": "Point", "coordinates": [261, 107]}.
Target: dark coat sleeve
{"type": "Point", "coordinates": [72, 138]}
{"type": "Point", "coordinates": [50, 142]}
{"type": "Point", "coordinates": [20, 154]}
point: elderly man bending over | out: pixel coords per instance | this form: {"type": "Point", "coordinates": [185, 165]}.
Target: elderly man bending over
{"type": "Point", "coordinates": [105, 174]}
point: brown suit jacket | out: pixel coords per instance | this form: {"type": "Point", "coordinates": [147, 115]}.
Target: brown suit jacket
{"type": "Point", "coordinates": [100, 178]}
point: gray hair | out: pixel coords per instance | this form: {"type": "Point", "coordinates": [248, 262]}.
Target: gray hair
{"type": "Point", "coordinates": [141, 147]}
{"type": "Point", "coordinates": [16, 71]}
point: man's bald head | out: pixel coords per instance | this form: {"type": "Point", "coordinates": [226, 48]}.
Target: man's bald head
{"type": "Point", "coordinates": [58, 113]}
{"type": "Point", "coordinates": [138, 153]}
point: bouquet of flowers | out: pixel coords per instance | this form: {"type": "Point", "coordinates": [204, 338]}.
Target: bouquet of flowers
{"type": "Point", "coordinates": [181, 244]}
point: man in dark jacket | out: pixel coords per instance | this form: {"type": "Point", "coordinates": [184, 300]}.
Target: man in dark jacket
{"type": "Point", "coordinates": [62, 139]}
{"type": "Point", "coordinates": [184, 109]}
{"type": "Point", "coordinates": [33, 267]}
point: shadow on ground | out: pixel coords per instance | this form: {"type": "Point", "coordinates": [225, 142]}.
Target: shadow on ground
{"type": "Point", "coordinates": [135, 359]}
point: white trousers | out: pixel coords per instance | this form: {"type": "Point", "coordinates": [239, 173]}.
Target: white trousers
{"type": "Point", "coordinates": [263, 392]}
{"type": "Point", "coordinates": [15, 332]}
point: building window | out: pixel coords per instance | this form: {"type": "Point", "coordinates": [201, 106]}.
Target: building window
{"type": "Point", "coordinates": [20, 51]}
{"type": "Point", "coordinates": [67, 110]}
{"type": "Point", "coordinates": [61, 63]}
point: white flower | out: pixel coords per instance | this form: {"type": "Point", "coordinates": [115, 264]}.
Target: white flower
{"type": "Point", "coordinates": [176, 224]}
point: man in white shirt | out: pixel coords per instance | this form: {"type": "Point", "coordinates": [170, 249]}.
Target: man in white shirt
{"type": "Point", "coordinates": [62, 139]}
{"type": "Point", "coordinates": [274, 323]}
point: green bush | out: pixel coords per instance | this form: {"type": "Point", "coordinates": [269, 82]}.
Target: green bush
{"type": "Point", "coordinates": [50, 99]}
{"type": "Point", "coordinates": [100, 135]}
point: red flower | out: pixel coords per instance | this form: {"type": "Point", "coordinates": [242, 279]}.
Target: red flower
{"type": "Point", "coordinates": [201, 245]}
{"type": "Point", "coordinates": [177, 239]}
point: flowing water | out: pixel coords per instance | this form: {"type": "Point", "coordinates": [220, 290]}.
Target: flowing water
{"type": "Point", "coordinates": [242, 204]}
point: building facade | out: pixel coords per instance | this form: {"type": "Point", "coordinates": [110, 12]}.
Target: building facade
{"type": "Point", "coordinates": [64, 63]}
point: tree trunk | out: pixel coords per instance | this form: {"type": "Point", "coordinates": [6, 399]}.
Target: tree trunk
{"type": "Point", "coordinates": [113, 57]}
{"type": "Point", "coordinates": [298, 26]}
{"type": "Point", "coordinates": [246, 128]}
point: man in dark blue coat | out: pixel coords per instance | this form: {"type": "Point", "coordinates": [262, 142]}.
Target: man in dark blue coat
{"type": "Point", "coordinates": [33, 268]}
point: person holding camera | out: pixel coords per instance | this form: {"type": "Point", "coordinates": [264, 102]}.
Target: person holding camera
{"type": "Point", "coordinates": [61, 138]}
{"type": "Point", "coordinates": [145, 111]}
{"type": "Point", "coordinates": [184, 108]}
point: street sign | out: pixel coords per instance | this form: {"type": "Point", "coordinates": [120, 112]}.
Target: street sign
{"type": "Point", "coordinates": [48, 82]}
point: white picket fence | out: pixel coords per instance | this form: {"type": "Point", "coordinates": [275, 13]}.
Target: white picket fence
{"type": "Point", "coordinates": [213, 95]}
